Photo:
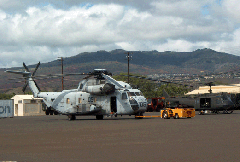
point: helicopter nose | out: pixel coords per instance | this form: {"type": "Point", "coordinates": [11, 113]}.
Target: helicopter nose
{"type": "Point", "coordinates": [134, 104]}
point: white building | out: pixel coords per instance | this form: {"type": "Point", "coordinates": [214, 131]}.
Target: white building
{"type": "Point", "coordinates": [235, 88]}
{"type": "Point", "coordinates": [27, 105]}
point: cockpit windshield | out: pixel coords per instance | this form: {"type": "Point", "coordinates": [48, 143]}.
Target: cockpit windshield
{"type": "Point", "coordinates": [135, 94]}
{"type": "Point", "coordinates": [131, 94]}
{"type": "Point", "coordinates": [139, 93]}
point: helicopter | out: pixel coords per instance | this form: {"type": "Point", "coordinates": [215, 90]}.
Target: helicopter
{"type": "Point", "coordinates": [214, 102]}
{"type": "Point", "coordinates": [98, 94]}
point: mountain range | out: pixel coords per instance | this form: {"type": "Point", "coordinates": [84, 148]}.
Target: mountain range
{"type": "Point", "coordinates": [141, 62]}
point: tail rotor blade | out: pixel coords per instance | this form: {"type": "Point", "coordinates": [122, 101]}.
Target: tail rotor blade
{"type": "Point", "coordinates": [24, 87]}
{"type": "Point", "coordinates": [24, 65]}
{"type": "Point", "coordinates": [36, 69]}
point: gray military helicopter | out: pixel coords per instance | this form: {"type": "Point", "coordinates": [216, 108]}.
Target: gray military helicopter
{"type": "Point", "coordinates": [214, 102]}
{"type": "Point", "coordinates": [99, 96]}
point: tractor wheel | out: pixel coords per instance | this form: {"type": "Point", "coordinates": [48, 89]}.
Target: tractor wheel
{"type": "Point", "coordinates": [165, 115]}
{"type": "Point", "coordinates": [176, 116]}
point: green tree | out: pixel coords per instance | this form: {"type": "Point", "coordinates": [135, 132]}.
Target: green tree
{"type": "Point", "coordinates": [151, 89]}
{"type": "Point", "coordinates": [4, 96]}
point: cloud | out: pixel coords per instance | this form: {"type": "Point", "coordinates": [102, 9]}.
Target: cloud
{"type": "Point", "coordinates": [35, 31]}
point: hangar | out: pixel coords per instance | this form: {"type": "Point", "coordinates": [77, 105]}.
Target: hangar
{"type": "Point", "coordinates": [27, 105]}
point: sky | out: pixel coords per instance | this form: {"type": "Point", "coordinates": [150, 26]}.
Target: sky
{"type": "Point", "coordinates": [43, 30]}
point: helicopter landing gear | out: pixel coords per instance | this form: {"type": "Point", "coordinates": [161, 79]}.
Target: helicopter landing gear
{"type": "Point", "coordinates": [71, 117]}
{"type": "Point", "coordinates": [137, 116]}
{"type": "Point", "coordinates": [99, 117]}
{"type": "Point", "coordinates": [215, 112]}
{"type": "Point", "coordinates": [201, 112]}
{"type": "Point", "coordinates": [227, 111]}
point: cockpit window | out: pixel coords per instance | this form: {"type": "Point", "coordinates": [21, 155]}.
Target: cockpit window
{"type": "Point", "coordinates": [81, 86]}
{"type": "Point", "coordinates": [124, 95]}
{"type": "Point", "coordinates": [131, 94]}
{"type": "Point", "coordinates": [138, 94]}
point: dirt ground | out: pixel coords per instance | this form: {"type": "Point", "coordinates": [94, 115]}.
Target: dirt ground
{"type": "Point", "coordinates": [54, 138]}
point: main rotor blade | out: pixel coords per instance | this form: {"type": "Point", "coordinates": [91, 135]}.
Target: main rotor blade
{"type": "Point", "coordinates": [24, 65]}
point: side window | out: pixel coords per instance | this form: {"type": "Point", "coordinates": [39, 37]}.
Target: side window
{"type": "Point", "coordinates": [79, 100]}
{"type": "Point", "coordinates": [124, 95]}
{"type": "Point", "coordinates": [68, 101]}
{"type": "Point", "coordinates": [81, 86]}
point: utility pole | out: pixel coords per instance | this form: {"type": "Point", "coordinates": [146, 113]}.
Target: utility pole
{"type": "Point", "coordinates": [61, 59]}
{"type": "Point", "coordinates": [128, 58]}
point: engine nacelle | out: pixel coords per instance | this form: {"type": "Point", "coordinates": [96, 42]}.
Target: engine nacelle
{"type": "Point", "coordinates": [103, 89]}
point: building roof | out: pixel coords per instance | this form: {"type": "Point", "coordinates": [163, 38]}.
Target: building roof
{"type": "Point", "coordinates": [217, 89]}
{"type": "Point", "coordinates": [26, 97]}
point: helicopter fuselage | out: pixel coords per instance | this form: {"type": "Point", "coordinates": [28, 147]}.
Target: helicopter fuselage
{"type": "Point", "coordinates": [121, 102]}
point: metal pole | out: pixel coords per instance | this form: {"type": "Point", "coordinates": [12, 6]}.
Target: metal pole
{"type": "Point", "coordinates": [128, 67]}
{"type": "Point", "coordinates": [62, 71]}
{"type": "Point", "coordinates": [128, 58]}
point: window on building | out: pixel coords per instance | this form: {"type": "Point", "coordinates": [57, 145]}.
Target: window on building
{"type": "Point", "coordinates": [33, 101]}
{"type": "Point", "coordinates": [19, 101]}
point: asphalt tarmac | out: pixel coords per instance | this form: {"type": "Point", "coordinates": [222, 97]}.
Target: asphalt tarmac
{"type": "Point", "coordinates": [54, 138]}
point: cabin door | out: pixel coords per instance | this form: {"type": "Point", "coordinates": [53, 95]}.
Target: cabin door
{"type": "Point", "coordinates": [113, 104]}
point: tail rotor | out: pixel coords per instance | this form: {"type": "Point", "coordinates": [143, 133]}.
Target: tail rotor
{"type": "Point", "coordinates": [26, 82]}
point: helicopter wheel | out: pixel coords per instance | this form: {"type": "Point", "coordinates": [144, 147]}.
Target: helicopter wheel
{"type": "Point", "coordinates": [99, 117]}
{"type": "Point", "coordinates": [71, 117]}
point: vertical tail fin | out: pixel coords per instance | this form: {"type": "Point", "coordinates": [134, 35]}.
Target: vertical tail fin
{"type": "Point", "coordinates": [165, 94]}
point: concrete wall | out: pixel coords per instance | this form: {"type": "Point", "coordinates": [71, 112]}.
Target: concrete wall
{"type": "Point", "coordinates": [6, 108]}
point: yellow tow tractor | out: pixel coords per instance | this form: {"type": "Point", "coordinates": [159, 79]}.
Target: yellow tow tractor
{"type": "Point", "coordinates": [178, 112]}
